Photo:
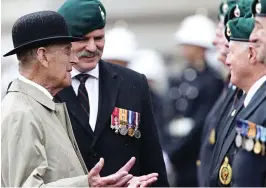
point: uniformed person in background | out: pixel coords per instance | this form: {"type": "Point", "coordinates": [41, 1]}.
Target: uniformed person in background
{"type": "Point", "coordinates": [150, 63]}
{"type": "Point", "coordinates": [239, 155]}
{"type": "Point", "coordinates": [120, 46]}
{"type": "Point", "coordinates": [191, 96]}
{"type": "Point", "coordinates": [227, 99]}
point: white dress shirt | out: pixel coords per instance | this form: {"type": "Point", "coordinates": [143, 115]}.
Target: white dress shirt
{"type": "Point", "coordinates": [92, 87]}
{"type": "Point", "coordinates": [254, 88]}
{"type": "Point", "coordinates": [45, 91]}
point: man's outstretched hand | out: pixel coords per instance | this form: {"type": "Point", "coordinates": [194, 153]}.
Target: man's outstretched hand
{"type": "Point", "coordinates": [118, 179]}
{"type": "Point", "coordinates": [121, 178]}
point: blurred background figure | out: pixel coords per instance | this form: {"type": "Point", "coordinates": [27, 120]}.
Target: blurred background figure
{"type": "Point", "coordinates": [191, 96]}
{"type": "Point", "coordinates": [150, 63]}
{"type": "Point", "coordinates": [120, 46]}
{"type": "Point", "coordinates": [9, 68]}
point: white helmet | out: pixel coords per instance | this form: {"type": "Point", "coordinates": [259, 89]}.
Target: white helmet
{"type": "Point", "coordinates": [151, 64]}
{"type": "Point", "coordinates": [196, 30]}
{"type": "Point", "coordinates": [120, 44]}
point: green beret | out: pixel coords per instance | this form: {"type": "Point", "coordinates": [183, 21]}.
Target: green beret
{"type": "Point", "coordinates": [240, 9]}
{"type": "Point", "coordinates": [225, 6]}
{"type": "Point", "coordinates": [239, 29]}
{"type": "Point", "coordinates": [259, 8]}
{"type": "Point", "coordinates": [83, 16]}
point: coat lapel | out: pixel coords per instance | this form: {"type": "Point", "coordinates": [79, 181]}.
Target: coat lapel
{"type": "Point", "coordinates": [68, 95]}
{"type": "Point", "coordinates": [226, 127]}
{"type": "Point", "coordinates": [226, 103]}
{"type": "Point", "coordinates": [108, 90]}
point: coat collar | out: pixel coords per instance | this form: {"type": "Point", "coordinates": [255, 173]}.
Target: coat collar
{"type": "Point", "coordinates": [33, 92]}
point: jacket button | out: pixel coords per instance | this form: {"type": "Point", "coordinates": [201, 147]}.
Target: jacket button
{"type": "Point", "coordinates": [94, 154]}
{"type": "Point", "coordinates": [198, 162]}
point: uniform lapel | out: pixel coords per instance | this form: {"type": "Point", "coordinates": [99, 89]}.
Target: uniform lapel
{"type": "Point", "coordinates": [226, 127]}
{"type": "Point", "coordinates": [68, 95]}
{"type": "Point", "coordinates": [109, 82]}
{"type": "Point", "coordinates": [226, 103]}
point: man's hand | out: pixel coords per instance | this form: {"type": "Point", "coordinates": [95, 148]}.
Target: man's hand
{"type": "Point", "coordinates": [119, 179]}
{"type": "Point", "coordinates": [143, 181]}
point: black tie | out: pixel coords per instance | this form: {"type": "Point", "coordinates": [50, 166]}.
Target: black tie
{"type": "Point", "coordinates": [83, 97]}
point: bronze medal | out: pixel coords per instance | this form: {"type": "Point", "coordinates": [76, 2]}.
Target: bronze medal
{"type": "Point", "coordinates": [225, 172]}
{"type": "Point", "coordinates": [131, 132]}
{"type": "Point", "coordinates": [257, 147]}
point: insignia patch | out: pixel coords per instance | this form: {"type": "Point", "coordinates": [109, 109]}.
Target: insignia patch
{"type": "Point", "coordinates": [258, 7]}
{"type": "Point", "coordinates": [225, 8]}
{"type": "Point", "coordinates": [237, 11]}
{"type": "Point", "coordinates": [225, 172]}
{"type": "Point", "coordinates": [102, 13]}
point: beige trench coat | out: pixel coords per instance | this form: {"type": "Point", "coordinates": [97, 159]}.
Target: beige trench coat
{"type": "Point", "coordinates": [38, 144]}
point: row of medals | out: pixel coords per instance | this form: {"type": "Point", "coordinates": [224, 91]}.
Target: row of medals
{"type": "Point", "coordinates": [249, 144]}
{"type": "Point", "coordinates": [125, 129]}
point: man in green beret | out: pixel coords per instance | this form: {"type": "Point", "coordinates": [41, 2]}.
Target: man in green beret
{"type": "Point", "coordinates": [109, 105]}
{"type": "Point", "coordinates": [225, 102]}
{"type": "Point", "coordinates": [258, 35]}
{"type": "Point", "coordinates": [239, 155]}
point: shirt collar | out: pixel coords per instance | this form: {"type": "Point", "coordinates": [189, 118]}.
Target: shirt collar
{"type": "Point", "coordinates": [254, 88]}
{"type": "Point", "coordinates": [45, 91]}
{"type": "Point", "coordinates": [94, 72]}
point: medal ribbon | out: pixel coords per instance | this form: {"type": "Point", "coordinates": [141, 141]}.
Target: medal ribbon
{"type": "Point", "coordinates": [263, 134]}
{"type": "Point", "coordinates": [251, 130]}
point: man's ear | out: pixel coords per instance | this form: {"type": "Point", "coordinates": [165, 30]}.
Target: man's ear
{"type": "Point", "coordinates": [42, 56]}
{"type": "Point", "coordinates": [252, 55]}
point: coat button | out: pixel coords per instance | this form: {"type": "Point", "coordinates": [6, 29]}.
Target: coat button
{"type": "Point", "coordinates": [198, 162]}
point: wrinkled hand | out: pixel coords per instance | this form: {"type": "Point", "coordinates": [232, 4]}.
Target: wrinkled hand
{"type": "Point", "coordinates": [118, 179]}
{"type": "Point", "coordinates": [143, 181]}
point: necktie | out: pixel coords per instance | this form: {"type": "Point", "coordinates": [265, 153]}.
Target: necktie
{"type": "Point", "coordinates": [83, 97]}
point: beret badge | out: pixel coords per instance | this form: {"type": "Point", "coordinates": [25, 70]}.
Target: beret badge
{"type": "Point", "coordinates": [258, 7]}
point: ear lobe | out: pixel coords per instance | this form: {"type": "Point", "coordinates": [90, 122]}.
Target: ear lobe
{"type": "Point", "coordinates": [42, 56]}
{"type": "Point", "coordinates": [252, 55]}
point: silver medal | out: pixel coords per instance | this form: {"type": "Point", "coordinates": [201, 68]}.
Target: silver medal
{"type": "Point", "coordinates": [249, 144]}
{"type": "Point", "coordinates": [238, 140]}
{"type": "Point", "coordinates": [137, 134]}
{"type": "Point", "coordinates": [123, 131]}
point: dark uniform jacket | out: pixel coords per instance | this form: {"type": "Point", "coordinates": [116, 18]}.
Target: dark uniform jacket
{"type": "Point", "coordinates": [248, 168]}
{"type": "Point", "coordinates": [198, 91]}
{"type": "Point", "coordinates": [126, 89]}
{"type": "Point", "coordinates": [210, 132]}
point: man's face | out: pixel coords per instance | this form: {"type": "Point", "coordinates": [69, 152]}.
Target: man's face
{"type": "Point", "coordinates": [258, 36]}
{"type": "Point", "coordinates": [89, 50]}
{"type": "Point", "coordinates": [220, 42]}
{"type": "Point", "coordinates": [61, 59]}
{"type": "Point", "coordinates": [238, 62]}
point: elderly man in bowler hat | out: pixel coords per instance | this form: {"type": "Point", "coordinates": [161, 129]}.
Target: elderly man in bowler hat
{"type": "Point", "coordinates": [101, 93]}
{"type": "Point", "coordinates": [38, 144]}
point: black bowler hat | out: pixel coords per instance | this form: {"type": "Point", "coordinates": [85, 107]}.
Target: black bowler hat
{"type": "Point", "coordinates": [38, 29]}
